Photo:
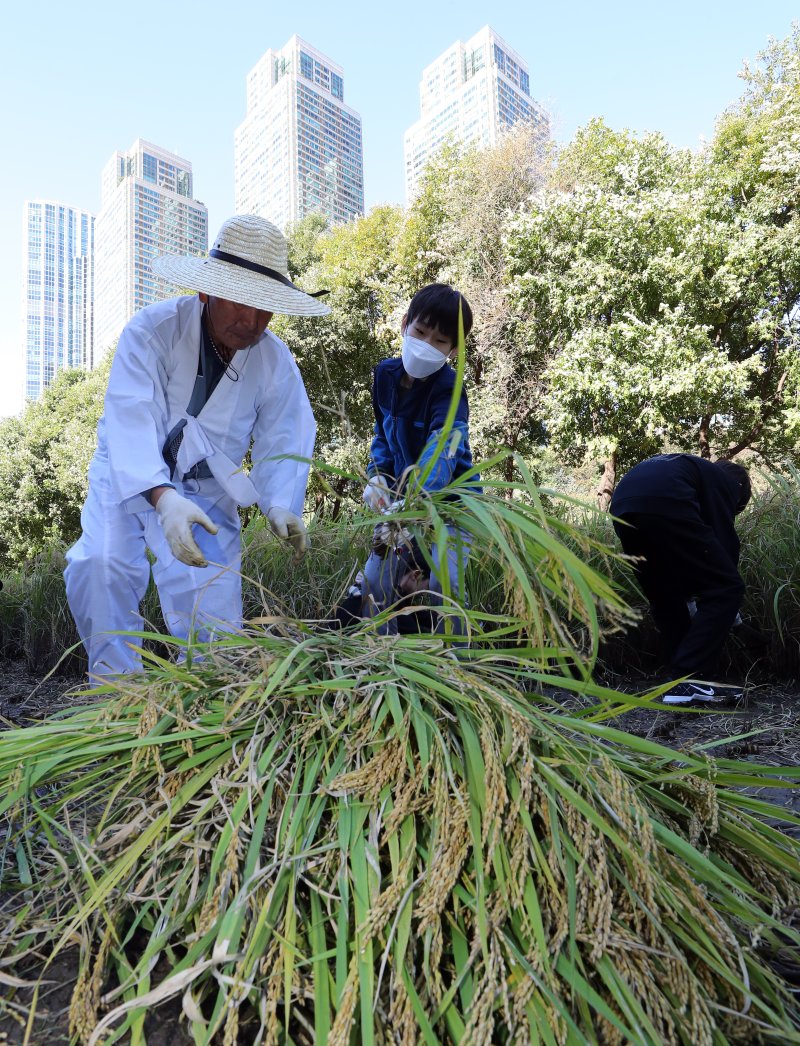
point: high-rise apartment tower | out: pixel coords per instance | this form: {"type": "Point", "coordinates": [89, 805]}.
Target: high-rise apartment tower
{"type": "Point", "coordinates": [58, 292]}
{"type": "Point", "coordinates": [147, 209]}
{"type": "Point", "coordinates": [472, 94]}
{"type": "Point", "coordinates": [298, 149]}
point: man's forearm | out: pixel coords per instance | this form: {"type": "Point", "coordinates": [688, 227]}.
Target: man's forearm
{"type": "Point", "coordinates": [155, 493]}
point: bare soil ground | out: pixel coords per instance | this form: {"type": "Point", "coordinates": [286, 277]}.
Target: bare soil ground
{"type": "Point", "coordinates": [764, 727]}
{"type": "Point", "coordinates": [25, 697]}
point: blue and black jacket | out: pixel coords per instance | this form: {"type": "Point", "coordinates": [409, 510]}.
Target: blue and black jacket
{"type": "Point", "coordinates": [408, 423]}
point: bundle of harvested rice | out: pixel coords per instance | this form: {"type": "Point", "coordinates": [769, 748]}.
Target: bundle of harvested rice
{"type": "Point", "coordinates": [336, 838]}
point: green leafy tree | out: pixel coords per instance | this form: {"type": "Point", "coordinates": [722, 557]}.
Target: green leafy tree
{"type": "Point", "coordinates": [357, 264]}
{"type": "Point", "coordinates": [665, 296]}
{"type": "Point", "coordinates": [754, 167]}
{"type": "Point", "coordinates": [425, 242]}
{"type": "Point", "coordinates": [303, 243]}
{"type": "Point", "coordinates": [44, 464]}
{"type": "Point", "coordinates": [454, 232]}
{"type": "Point", "coordinates": [605, 272]}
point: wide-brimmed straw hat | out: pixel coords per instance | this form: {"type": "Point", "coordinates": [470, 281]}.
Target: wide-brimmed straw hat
{"type": "Point", "coordinates": [248, 264]}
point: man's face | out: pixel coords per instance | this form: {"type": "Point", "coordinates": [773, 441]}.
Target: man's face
{"type": "Point", "coordinates": [235, 326]}
{"type": "Point", "coordinates": [432, 335]}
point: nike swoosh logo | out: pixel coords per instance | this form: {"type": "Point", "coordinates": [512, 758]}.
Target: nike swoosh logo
{"type": "Point", "coordinates": [702, 690]}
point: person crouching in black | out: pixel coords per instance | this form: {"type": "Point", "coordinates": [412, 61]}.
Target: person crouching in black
{"type": "Point", "coordinates": [677, 512]}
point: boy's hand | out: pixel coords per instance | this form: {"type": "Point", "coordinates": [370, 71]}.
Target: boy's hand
{"type": "Point", "coordinates": [377, 494]}
{"type": "Point", "coordinates": [381, 540]}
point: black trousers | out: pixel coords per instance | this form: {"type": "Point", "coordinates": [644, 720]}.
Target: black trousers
{"type": "Point", "coordinates": [684, 560]}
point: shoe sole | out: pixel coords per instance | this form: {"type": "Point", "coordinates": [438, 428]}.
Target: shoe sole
{"type": "Point", "coordinates": [694, 699]}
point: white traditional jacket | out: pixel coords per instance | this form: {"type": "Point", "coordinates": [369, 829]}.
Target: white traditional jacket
{"type": "Point", "coordinates": [151, 383]}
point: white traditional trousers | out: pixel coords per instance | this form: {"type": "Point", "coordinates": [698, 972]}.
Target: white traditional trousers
{"type": "Point", "coordinates": [108, 572]}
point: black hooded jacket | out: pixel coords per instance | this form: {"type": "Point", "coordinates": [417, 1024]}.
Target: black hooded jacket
{"type": "Point", "coordinates": [682, 486]}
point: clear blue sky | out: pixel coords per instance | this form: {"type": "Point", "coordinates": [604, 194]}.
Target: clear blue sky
{"type": "Point", "coordinates": [79, 81]}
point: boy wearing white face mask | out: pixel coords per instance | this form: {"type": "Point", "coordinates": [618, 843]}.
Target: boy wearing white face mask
{"type": "Point", "coordinates": [411, 398]}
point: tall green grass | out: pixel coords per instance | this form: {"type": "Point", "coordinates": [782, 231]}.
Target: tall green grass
{"type": "Point", "coordinates": [35, 623]}
{"type": "Point", "coordinates": [770, 566]}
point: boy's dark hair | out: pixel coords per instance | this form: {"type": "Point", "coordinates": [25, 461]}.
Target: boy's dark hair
{"type": "Point", "coordinates": [422, 620]}
{"type": "Point", "coordinates": [409, 557]}
{"type": "Point", "coordinates": [742, 477]}
{"type": "Point", "coordinates": [437, 306]}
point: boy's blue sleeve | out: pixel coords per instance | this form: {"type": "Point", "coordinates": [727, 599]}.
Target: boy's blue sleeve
{"type": "Point", "coordinates": [381, 460]}
{"type": "Point", "coordinates": [454, 448]}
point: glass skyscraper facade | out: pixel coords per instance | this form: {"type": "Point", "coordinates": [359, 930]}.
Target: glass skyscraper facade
{"type": "Point", "coordinates": [58, 292]}
{"type": "Point", "coordinates": [472, 93]}
{"type": "Point", "coordinates": [299, 148]}
{"type": "Point", "coordinates": [147, 209]}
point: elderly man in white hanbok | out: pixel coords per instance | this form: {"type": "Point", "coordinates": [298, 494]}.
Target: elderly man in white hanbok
{"type": "Point", "coordinates": [196, 382]}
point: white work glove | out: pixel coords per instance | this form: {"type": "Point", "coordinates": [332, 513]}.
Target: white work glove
{"type": "Point", "coordinates": [287, 525]}
{"type": "Point", "coordinates": [177, 514]}
{"type": "Point", "coordinates": [377, 494]}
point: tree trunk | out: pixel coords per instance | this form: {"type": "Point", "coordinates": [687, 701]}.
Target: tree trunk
{"type": "Point", "coordinates": [767, 410]}
{"type": "Point", "coordinates": [705, 446]}
{"type": "Point", "coordinates": [607, 482]}
{"type": "Point", "coordinates": [338, 487]}
{"type": "Point", "coordinates": [509, 471]}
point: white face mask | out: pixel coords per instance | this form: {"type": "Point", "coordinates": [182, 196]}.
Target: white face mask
{"type": "Point", "coordinates": [419, 358]}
